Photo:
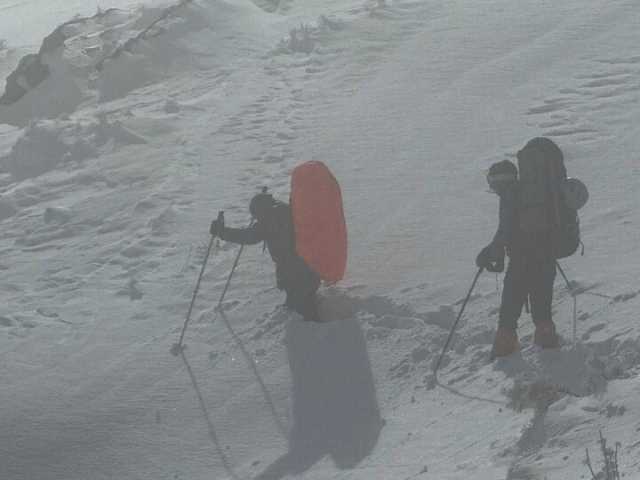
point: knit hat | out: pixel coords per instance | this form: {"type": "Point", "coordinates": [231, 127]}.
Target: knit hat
{"type": "Point", "coordinates": [501, 173]}
{"type": "Point", "coordinates": [261, 203]}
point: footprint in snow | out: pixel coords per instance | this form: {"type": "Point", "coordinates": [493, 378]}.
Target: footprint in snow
{"type": "Point", "coordinates": [625, 297]}
{"type": "Point", "coordinates": [596, 328]}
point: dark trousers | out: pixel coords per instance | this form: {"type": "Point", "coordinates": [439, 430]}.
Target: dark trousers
{"type": "Point", "coordinates": [304, 302]}
{"type": "Point", "coordinates": [301, 284]}
{"type": "Point", "coordinates": [527, 278]}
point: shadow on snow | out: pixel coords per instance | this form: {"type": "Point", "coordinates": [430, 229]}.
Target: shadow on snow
{"type": "Point", "coordinates": [334, 407]}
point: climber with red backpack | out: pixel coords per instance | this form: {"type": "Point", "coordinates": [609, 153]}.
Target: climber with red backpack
{"type": "Point", "coordinates": [538, 224]}
{"type": "Point", "coordinates": [306, 238]}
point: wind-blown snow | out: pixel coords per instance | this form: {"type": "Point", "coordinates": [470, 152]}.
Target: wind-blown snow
{"type": "Point", "coordinates": [151, 120]}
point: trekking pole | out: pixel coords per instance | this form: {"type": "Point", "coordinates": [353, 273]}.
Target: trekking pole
{"type": "Point", "coordinates": [453, 328]}
{"type": "Point", "coordinates": [574, 295]}
{"type": "Point", "coordinates": [233, 269]}
{"type": "Point", "coordinates": [176, 348]}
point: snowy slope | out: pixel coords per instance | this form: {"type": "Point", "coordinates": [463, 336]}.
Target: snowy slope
{"type": "Point", "coordinates": [114, 165]}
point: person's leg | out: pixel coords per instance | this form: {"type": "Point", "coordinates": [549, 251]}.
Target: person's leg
{"type": "Point", "coordinates": [514, 294]}
{"type": "Point", "coordinates": [310, 308]}
{"type": "Point", "coordinates": [544, 274]}
{"type": "Point", "coordinates": [304, 303]}
{"type": "Point", "coordinates": [301, 296]}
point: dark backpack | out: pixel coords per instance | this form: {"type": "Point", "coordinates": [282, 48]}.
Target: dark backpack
{"type": "Point", "coordinates": [542, 207]}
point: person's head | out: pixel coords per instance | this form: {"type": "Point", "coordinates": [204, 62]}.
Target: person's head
{"type": "Point", "coordinates": [261, 204]}
{"type": "Point", "coordinates": [501, 175]}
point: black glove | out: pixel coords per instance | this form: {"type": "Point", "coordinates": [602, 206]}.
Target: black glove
{"type": "Point", "coordinates": [491, 259]}
{"type": "Point", "coordinates": [217, 226]}
{"type": "Point", "coordinates": [496, 265]}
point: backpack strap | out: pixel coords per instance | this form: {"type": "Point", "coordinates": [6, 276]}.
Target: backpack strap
{"type": "Point", "coordinates": [555, 193]}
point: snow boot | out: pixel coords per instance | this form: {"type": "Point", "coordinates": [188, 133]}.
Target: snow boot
{"type": "Point", "coordinates": [505, 343]}
{"type": "Point", "coordinates": [546, 336]}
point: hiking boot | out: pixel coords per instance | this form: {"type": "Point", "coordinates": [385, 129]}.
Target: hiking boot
{"type": "Point", "coordinates": [505, 343]}
{"type": "Point", "coordinates": [546, 336]}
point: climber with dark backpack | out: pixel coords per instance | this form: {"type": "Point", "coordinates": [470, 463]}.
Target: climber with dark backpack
{"type": "Point", "coordinates": [538, 225]}
{"type": "Point", "coordinates": [305, 238]}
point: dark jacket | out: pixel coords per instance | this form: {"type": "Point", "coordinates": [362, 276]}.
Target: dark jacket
{"type": "Point", "coordinates": [509, 236]}
{"type": "Point", "coordinates": [276, 230]}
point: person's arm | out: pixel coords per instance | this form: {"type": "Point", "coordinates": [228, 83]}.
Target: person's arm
{"type": "Point", "coordinates": [245, 236]}
{"type": "Point", "coordinates": [508, 205]}
{"type": "Point", "coordinates": [492, 256]}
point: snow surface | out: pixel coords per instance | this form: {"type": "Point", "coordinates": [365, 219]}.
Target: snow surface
{"type": "Point", "coordinates": [153, 119]}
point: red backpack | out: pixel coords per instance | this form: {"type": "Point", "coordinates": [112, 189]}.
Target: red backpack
{"type": "Point", "coordinates": [318, 220]}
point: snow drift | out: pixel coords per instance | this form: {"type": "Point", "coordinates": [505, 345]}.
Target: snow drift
{"type": "Point", "coordinates": [48, 143]}
{"type": "Point", "coordinates": [102, 57]}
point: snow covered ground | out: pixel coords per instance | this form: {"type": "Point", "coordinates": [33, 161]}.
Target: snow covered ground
{"type": "Point", "coordinates": [151, 120]}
